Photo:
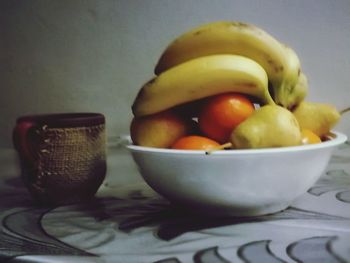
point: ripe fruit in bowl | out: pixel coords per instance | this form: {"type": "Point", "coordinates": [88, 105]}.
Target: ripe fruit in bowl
{"type": "Point", "coordinates": [247, 182]}
{"type": "Point", "coordinates": [159, 130]}
{"type": "Point", "coordinates": [309, 137]}
{"type": "Point", "coordinates": [222, 113]}
{"type": "Point", "coordinates": [320, 118]}
{"type": "Point", "coordinates": [195, 142]}
{"type": "Point", "coordinates": [269, 126]}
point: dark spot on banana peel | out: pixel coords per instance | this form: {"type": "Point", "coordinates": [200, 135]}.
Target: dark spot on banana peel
{"type": "Point", "coordinates": [206, 29]}
{"type": "Point", "coordinates": [248, 27]}
{"type": "Point", "coordinates": [242, 25]}
{"type": "Point", "coordinates": [277, 68]}
{"type": "Point", "coordinates": [249, 85]}
{"type": "Point", "coordinates": [198, 32]}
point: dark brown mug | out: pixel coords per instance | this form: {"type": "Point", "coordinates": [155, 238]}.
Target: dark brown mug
{"type": "Point", "coordinates": [63, 155]}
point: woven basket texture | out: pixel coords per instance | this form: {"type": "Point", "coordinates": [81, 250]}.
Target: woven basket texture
{"type": "Point", "coordinates": [71, 163]}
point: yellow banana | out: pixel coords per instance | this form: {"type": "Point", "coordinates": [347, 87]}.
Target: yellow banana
{"type": "Point", "coordinates": [240, 39]}
{"type": "Point", "coordinates": [298, 93]}
{"type": "Point", "coordinates": [202, 77]}
{"type": "Point", "coordinates": [292, 93]}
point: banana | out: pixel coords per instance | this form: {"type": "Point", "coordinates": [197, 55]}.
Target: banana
{"type": "Point", "coordinates": [202, 77]}
{"type": "Point", "coordinates": [298, 93]}
{"type": "Point", "coordinates": [292, 94]}
{"type": "Point", "coordinates": [242, 39]}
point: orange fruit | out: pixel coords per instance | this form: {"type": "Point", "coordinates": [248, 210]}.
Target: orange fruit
{"type": "Point", "coordinates": [309, 137]}
{"type": "Point", "coordinates": [222, 113]}
{"type": "Point", "coordinates": [195, 142]}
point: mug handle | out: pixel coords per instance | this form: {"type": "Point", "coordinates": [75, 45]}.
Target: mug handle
{"type": "Point", "coordinates": [22, 139]}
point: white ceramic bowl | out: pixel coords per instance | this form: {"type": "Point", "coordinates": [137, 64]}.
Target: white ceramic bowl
{"type": "Point", "coordinates": [235, 182]}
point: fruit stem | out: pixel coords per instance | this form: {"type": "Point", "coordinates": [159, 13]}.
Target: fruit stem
{"type": "Point", "coordinates": [344, 110]}
{"type": "Point", "coordinates": [220, 147]}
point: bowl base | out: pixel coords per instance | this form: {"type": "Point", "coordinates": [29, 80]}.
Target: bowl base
{"type": "Point", "coordinates": [232, 211]}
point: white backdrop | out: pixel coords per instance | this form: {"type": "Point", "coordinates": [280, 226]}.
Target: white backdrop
{"type": "Point", "coordinates": [62, 56]}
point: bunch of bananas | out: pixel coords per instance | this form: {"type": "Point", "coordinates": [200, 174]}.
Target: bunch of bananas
{"type": "Point", "coordinates": [222, 57]}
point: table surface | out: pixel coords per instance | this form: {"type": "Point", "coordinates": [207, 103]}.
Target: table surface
{"type": "Point", "coordinates": [128, 222]}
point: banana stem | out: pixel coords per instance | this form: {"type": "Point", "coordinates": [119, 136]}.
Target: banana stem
{"type": "Point", "coordinates": [344, 110]}
{"type": "Point", "coordinates": [221, 147]}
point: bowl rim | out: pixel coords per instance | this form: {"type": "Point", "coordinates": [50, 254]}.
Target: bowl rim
{"type": "Point", "coordinates": [337, 138]}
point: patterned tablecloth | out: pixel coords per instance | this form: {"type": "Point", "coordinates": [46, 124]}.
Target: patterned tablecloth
{"type": "Point", "coordinates": [127, 222]}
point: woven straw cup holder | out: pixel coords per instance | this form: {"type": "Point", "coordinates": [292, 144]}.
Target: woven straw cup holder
{"type": "Point", "coordinates": [68, 161]}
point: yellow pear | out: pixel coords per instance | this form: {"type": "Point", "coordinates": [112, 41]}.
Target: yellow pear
{"type": "Point", "coordinates": [320, 118]}
{"type": "Point", "coordinates": [269, 126]}
{"type": "Point", "coordinates": [158, 130]}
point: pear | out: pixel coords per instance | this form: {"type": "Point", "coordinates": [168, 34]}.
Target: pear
{"type": "Point", "coordinates": [320, 118]}
{"type": "Point", "coordinates": [159, 130]}
{"type": "Point", "coordinates": [268, 126]}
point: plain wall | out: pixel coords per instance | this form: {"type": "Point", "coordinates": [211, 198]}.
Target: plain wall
{"type": "Point", "coordinates": [70, 55]}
